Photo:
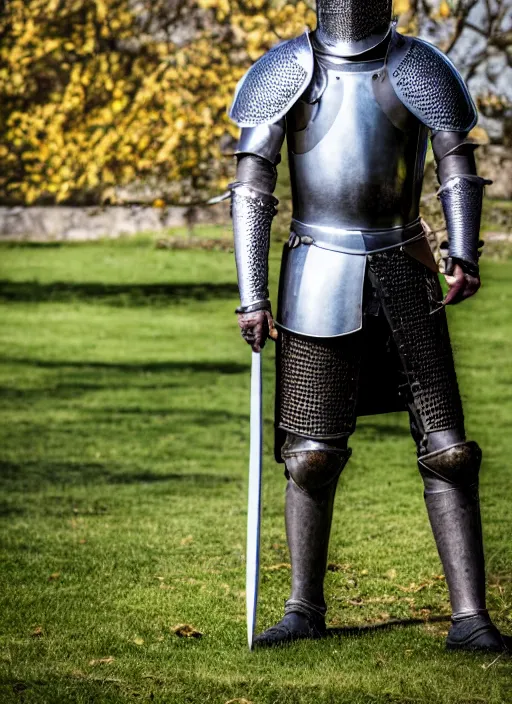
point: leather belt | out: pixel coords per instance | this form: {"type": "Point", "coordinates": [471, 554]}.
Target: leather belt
{"type": "Point", "coordinates": [354, 241]}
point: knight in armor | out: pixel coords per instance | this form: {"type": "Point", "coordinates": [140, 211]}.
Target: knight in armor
{"type": "Point", "coordinates": [361, 320]}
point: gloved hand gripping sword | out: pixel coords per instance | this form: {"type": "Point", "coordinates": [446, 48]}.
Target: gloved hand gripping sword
{"type": "Point", "coordinates": [252, 210]}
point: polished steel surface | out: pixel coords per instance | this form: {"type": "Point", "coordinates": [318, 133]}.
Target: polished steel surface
{"type": "Point", "coordinates": [263, 140]}
{"type": "Point", "coordinates": [320, 292]}
{"type": "Point", "coordinates": [450, 476]}
{"type": "Point", "coordinates": [357, 241]}
{"type": "Point", "coordinates": [350, 166]}
{"type": "Point", "coordinates": [322, 276]}
{"type": "Point", "coordinates": [350, 48]}
{"type": "Point", "coordinates": [308, 514]}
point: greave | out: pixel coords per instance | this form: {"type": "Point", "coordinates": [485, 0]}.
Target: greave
{"type": "Point", "coordinates": [308, 527]}
{"type": "Point", "coordinates": [313, 468]}
{"type": "Point", "coordinates": [451, 496]}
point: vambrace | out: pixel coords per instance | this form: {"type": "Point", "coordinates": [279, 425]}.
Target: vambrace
{"type": "Point", "coordinates": [461, 194]}
{"type": "Point", "coordinates": [461, 198]}
{"type": "Point", "coordinates": [252, 211]}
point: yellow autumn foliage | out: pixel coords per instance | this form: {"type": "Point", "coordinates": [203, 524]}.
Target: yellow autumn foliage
{"type": "Point", "coordinates": [101, 94]}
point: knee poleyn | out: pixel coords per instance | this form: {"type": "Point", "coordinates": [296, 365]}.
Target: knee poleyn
{"type": "Point", "coordinates": [457, 465]}
{"type": "Point", "coordinates": [313, 465]}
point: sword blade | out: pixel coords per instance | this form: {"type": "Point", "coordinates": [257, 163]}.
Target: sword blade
{"type": "Point", "coordinates": [254, 502]}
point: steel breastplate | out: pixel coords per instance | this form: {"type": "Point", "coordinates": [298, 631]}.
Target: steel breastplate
{"type": "Point", "coordinates": [350, 166]}
{"type": "Point", "coordinates": [356, 164]}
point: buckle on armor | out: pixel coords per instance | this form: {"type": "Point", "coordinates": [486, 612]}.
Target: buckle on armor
{"type": "Point", "coordinates": [295, 240]}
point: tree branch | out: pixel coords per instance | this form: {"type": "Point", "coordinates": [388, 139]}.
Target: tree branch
{"type": "Point", "coordinates": [461, 22]}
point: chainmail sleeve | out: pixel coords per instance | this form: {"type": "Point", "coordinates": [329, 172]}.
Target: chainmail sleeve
{"type": "Point", "coordinates": [461, 194]}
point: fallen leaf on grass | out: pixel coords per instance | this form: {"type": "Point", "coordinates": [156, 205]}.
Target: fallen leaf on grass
{"type": "Point", "coordinates": [184, 630]}
{"type": "Point", "coordinates": [102, 661]}
{"type": "Point", "coordinates": [54, 576]}
{"type": "Point", "coordinates": [238, 701]}
{"type": "Point", "coordinates": [373, 600]}
{"type": "Point", "coordinates": [138, 640]}
{"type": "Point", "coordinates": [279, 566]}
{"type": "Point", "coordinates": [377, 621]}
{"type": "Point", "coordinates": [336, 567]}
{"type": "Point", "coordinates": [336, 623]}
{"type": "Point", "coordinates": [37, 632]}
{"type": "Point", "coordinates": [413, 587]}
{"type": "Point", "coordinates": [422, 613]}
{"type": "Point", "coordinates": [82, 541]}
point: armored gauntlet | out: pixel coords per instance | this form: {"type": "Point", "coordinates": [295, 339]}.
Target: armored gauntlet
{"type": "Point", "coordinates": [461, 195]}
{"type": "Point", "coordinates": [253, 209]}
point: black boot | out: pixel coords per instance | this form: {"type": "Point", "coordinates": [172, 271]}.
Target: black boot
{"type": "Point", "coordinates": [295, 625]}
{"type": "Point", "coordinates": [477, 633]}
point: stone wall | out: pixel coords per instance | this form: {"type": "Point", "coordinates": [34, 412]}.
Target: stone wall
{"type": "Point", "coordinates": [495, 163]}
{"type": "Point", "coordinates": [63, 223]}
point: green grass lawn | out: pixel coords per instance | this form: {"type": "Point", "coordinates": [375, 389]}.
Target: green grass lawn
{"type": "Point", "coordinates": [124, 422]}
